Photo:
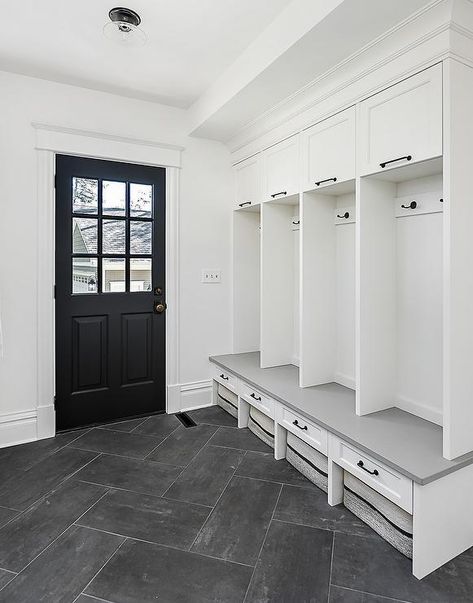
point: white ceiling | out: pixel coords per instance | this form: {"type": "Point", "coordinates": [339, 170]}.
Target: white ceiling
{"type": "Point", "coordinates": [190, 44]}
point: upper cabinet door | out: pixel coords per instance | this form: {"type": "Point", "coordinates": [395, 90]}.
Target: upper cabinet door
{"type": "Point", "coordinates": [402, 124]}
{"type": "Point", "coordinates": [328, 151]}
{"type": "Point", "coordinates": [248, 182]}
{"type": "Point", "coordinates": [281, 169]}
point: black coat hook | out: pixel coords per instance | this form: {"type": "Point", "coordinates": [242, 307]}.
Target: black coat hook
{"type": "Point", "coordinates": [412, 205]}
{"type": "Point", "coordinates": [346, 215]}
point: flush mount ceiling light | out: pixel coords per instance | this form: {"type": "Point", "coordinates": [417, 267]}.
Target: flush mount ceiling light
{"type": "Point", "coordinates": [123, 27]}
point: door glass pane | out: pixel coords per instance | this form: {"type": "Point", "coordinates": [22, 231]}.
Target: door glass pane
{"type": "Point", "coordinates": [140, 237]}
{"type": "Point", "coordinates": [84, 275]}
{"type": "Point", "coordinates": [113, 236]}
{"type": "Point", "coordinates": [113, 198]}
{"type": "Point", "coordinates": [85, 194]}
{"type": "Point", "coordinates": [140, 274]}
{"type": "Point", "coordinates": [113, 275]}
{"type": "Point", "coordinates": [141, 197]}
{"type": "Point", "coordinates": [84, 235]}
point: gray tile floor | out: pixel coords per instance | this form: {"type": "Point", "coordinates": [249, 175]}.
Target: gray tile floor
{"type": "Point", "coordinates": [146, 510]}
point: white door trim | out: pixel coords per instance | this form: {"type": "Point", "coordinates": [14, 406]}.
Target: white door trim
{"type": "Point", "coordinates": [49, 141]}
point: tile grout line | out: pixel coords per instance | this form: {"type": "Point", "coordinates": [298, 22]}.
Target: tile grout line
{"type": "Point", "coordinates": [48, 493]}
{"type": "Point", "coordinates": [14, 575]}
{"type": "Point", "coordinates": [200, 449]}
{"type": "Point", "coordinates": [262, 544]}
{"type": "Point", "coordinates": [306, 525]}
{"type": "Point", "coordinates": [331, 567]}
{"type": "Point", "coordinates": [160, 443]}
{"type": "Point", "coordinates": [216, 503]}
{"type": "Point", "coordinates": [184, 468]}
{"type": "Point", "coordinates": [82, 594]}
{"type": "Point", "coordinates": [58, 536]}
{"type": "Point", "coordinates": [362, 592]}
{"type": "Point", "coordinates": [98, 572]}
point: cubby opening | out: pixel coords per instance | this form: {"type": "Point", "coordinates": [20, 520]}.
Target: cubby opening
{"type": "Point", "coordinates": [247, 279]}
{"type": "Point", "coordinates": [400, 338]}
{"type": "Point", "coordinates": [328, 286]}
{"type": "Point", "coordinates": [280, 277]}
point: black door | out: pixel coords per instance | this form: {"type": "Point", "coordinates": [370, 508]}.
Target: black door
{"type": "Point", "coordinates": [110, 262]}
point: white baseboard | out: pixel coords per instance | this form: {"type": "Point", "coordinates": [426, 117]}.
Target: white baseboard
{"type": "Point", "coordinates": [46, 422]}
{"type": "Point", "coordinates": [196, 395]}
{"type": "Point", "coordinates": [189, 396]}
{"type": "Point", "coordinates": [18, 428]}
{"type": "Point", "coordinates": [420, 410]}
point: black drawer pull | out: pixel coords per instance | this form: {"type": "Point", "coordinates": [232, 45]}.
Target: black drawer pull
{"type": "Point", "coordinates": [222, 376]}
{"type": "Point", "coordinates": [385, 163]}
{"type": "Point", "coordinates": [296, 423]}
{"type": "Point", "coordinates": [277, 194]}
{"type": "Point", "coordinates": [362, 466]}
{"type": "Point", "coordinates": [346, 215]}
{"type": "Point", "coordinates": [412, 205]}
{"type": "Point", "coordinates": [257, 398]}
{"type": "Point", "coordinates": [245, 203]}
{"type": "Point", "coordinates": [324, 181]}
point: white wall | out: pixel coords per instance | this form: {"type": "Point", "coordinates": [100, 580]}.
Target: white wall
{"type": "Point", "coordinates": [205, 225]}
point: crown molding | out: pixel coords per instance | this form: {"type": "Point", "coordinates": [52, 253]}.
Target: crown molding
{"type": "Point", "coordinates": [356, 77]}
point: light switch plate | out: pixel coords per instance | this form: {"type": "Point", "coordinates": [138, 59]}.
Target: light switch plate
{"type": "Point", "coordinates": [211, 276]}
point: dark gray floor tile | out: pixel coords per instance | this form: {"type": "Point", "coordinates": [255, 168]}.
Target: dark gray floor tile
{"type": "Point", "coordinates": [167, 522]}
{"type": "Point", "coordinates": [25, 537]}
{"type": "Point", "coordinates": [64, 569]}
{"type": "Point", "coordinates": [125, 426]}
{"type": "Point", "coordinates": [159, 426]}
{"type": "Point", "coordinates": [88, 599]}
{"type": "Point", "coordinates": [24, 456]}
{"type": "Point", "coordinates": [5, 577]}
{"type": "Point", "coordinates": [129, 474]}
{"type": "Point", "coordinates": [183, 444]}
{"type": "Point", "coordinates": [373, 566]}
{"type": "Point", "coordinates": [206, 476]}
{"type": "Point", "coordinates": [294, 566]}
{"type": "Point", "coordinates": [238, 438]}
{"type": "Point", "coordinates": [263, 466]}
{"type": "Point", "coordinates": [147, 573]}
{"type": "Point", "coordinates": [213, 415]}
{"type": "Point", "coordinates": [114, 442]}
{"type": "Point", "coordinates": [236, 529]}
{"type": "Point", "coordinates": [343, 595]}
{"type": "Point", "coordinates": [27, 487]}
{"type": "Point", "coordinates": [309, 506]}
{"type": "Point", "coordinates": [6, 515]}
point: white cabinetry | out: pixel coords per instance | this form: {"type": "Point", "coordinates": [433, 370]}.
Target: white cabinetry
{"type": "Point", "coordinates": [281, 169]}
{"type": "Point", "coordinates": [248, 182]}
{"type": "Point", "coordinates": [328, 151]}
{"type": "Point", "coordinates": [402, 124]}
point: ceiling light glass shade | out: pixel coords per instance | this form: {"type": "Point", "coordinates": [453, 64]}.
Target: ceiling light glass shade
{"type": "Point", "coordinates": [124, 33]}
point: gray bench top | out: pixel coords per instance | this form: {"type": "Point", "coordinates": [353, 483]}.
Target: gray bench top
{"type": "Point", "coordinates": [404, 442]}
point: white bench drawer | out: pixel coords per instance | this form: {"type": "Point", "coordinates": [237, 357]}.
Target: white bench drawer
{"type": "Point", "coordinates": [311, 433]}
{"type": "Point", "coordinates": [255, 398]}
{"type": "Point", "coordinates": [384, 480]}
{"type": "Point", "coordinates": [225, 378]}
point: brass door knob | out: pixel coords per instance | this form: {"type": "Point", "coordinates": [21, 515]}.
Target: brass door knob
{"type": "Point", "coordinates": [159, 307]}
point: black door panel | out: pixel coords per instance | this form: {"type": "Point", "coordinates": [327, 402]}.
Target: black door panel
{"type": "Point", "coordinates": [110, 262]}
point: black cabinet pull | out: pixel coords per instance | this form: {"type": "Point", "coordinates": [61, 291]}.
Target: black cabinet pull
{"type": "Point", "coordinates": [362, 466]}
{"type": "Point", "coordinates": [245, 203]}
{"type": "Point", "coordinates": [296, 223]}
{"type": "Point", "coordinates": [324, 181]}
{"type": "Point", "coordinates": [346, 215]}
{"type": "Point", "coordinates": [277, 194]}
{"type": "Point", "coordinates": [385, 163]}
{"type": "Point", "coordinates": [222, 376]}
{"type": "Point", "coordinates": [412, 205]}
{"type": "Point", "coordinates": [296, 423]}
{"type": "Point", "coordinates": [258, 399]}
